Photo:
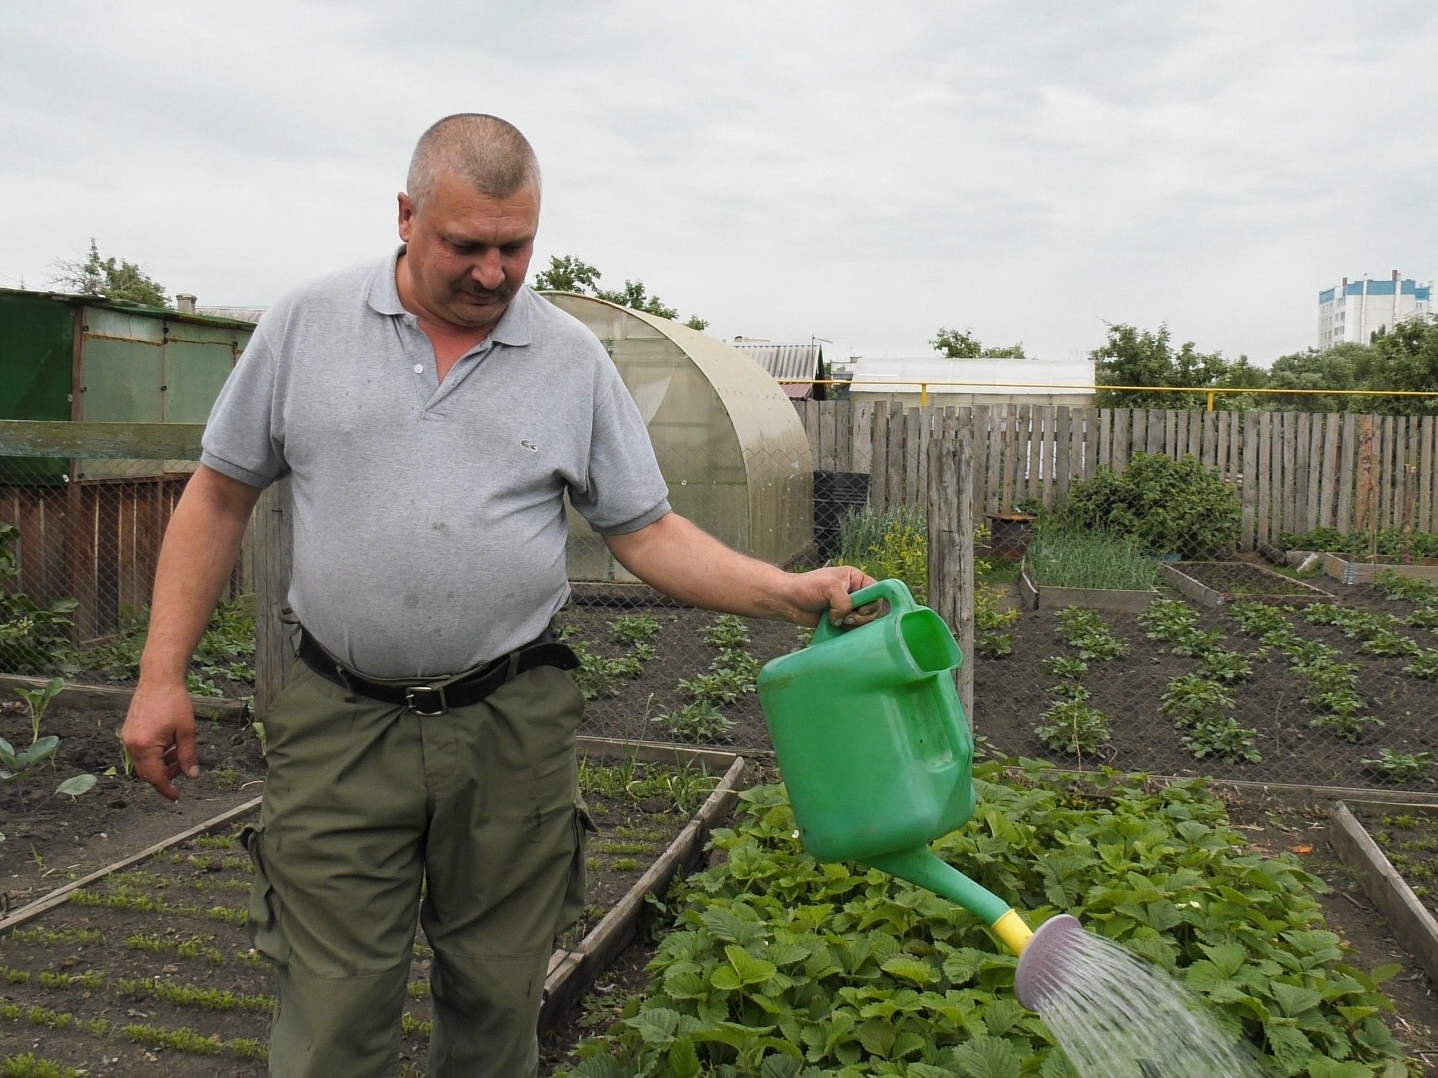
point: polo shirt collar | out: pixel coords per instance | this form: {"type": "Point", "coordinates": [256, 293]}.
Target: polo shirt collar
{"type": "Point", "coordinates": [514, 326]}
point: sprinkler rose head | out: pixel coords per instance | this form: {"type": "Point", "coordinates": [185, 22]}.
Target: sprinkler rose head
{"type": "Point", "coordinates": [1047, 960]}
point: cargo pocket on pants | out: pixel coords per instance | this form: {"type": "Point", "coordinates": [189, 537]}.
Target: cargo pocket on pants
{"type": "Point", "coordinates": [263, 922]}
{"type": "Point", "coordinates": [574, 891]}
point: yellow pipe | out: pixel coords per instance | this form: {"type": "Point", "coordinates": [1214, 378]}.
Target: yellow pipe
{"type": "Point", "coordinates": [1209, 390]}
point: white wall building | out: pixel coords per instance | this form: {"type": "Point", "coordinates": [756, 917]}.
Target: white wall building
{"type": "Point", "coordinates": [1355, 310]}
{"type": "Point", "coordinates": [961, 382]}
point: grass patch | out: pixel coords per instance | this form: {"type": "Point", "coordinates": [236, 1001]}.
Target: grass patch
{"type": "Point", "coordinates": [1091, 560]}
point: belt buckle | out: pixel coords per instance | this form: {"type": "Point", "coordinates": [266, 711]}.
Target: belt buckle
{"type": "Point", "coordinates": [415, 704]}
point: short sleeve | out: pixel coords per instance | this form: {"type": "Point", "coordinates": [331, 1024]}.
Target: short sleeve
{"type": "Point", "coordinates": [240, 439]}
{"type": "Point", "coordinates": [625, 489]}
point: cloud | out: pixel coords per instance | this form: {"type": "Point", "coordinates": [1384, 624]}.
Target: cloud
{"type": "Point", "coordinates": [836, 169]}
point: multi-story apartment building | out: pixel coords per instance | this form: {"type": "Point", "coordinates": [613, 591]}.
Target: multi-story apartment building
{"type": "Point", "coordinates": [1355, 310]}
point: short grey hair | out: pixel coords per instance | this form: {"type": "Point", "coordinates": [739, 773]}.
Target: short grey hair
{"type": "Point", "coordinates": [489, 154]}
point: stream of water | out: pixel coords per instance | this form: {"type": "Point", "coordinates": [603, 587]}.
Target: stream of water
{"type": "Point", "coordinates": [1118, 1016]}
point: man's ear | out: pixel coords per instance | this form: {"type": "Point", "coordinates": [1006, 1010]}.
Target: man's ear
{"type": "Point", "coordinates": [406, 216]}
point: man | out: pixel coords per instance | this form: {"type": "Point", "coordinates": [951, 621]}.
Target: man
{"type": "Point", "coordinates": [432, 413]}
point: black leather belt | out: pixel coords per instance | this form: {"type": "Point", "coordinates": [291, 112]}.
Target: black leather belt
{"type": "Point", "coordinates": [428, 698]}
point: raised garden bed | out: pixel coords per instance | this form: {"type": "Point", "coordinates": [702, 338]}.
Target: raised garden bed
{"type": "Point", "coordinates": [1409, 917]}
{"type": "Point", "coordinates": [145, 965]}
{"type": "Point", "coordinates": [1348, 570]}
{"type": "Point", "coordinates": [1035, 597]}
{"type": "Point", "coordinates": [1213, 583]}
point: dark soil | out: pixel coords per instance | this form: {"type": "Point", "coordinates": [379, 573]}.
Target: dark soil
{"type": "Point", "coordinates": [1408, 837]}
{"type": "Point", "coordinates": [1011, 694]}
{"type": "Point", "coordinates": [1239, 579]}
{"type": "Point", "coordinates": [681, 654]}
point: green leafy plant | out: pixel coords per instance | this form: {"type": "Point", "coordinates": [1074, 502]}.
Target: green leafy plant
{"type": "Point", "coordinates": [1396, 766]}
{"type": "Point", "coordinates": [700, 722]}
{"type": "Point", "coordinates": [727, 632]}
{"type": "Point", "coordinates": [1074, 729]}
{"type": "Point", "coordinates": [1224, 738]}
{"type": "Point", "coordinates": [1086, 631]}
{"type": "Point", "coordinates": [1066, 666]}
{"type": "Point", "coordinates": [634, 629]}
{"type": "Point", "coordinates": [1258, 619]}
{"type": "Point", "coordinates": [1191, 699]}
{"type": "Point", "coordinates": [892, 544]}
{"type": "Point", "coordinates": [1220, 664]}
{"type": "Point", "coordinates": [1415, 590]}
{"type": "Point", "coordinates": [34, 639]}
{"type": "Point", "coordinates": [1168, 619]}
{"type": "Point", "coordinates": [717, 688]}
{"type": "Point", "coordinates": [779, 966]}
{"type": "Point", "coordinates": [1424, 664]}
{"type": "Point", "coordinates": [991, 619]}
{"type": "Point", "coordinates": [37, 702]}
{"type": "Point", "coordinates": [1168, 506]}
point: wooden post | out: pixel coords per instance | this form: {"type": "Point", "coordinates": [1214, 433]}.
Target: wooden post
{"type": "Point", "coordinates": [273, 545]}
{"type": "Point", "coordinates": [951, 549]}
{"type": "Point", "coordinates": [1363, 509]}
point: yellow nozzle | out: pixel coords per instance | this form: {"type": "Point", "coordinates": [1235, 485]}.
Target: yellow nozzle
{"type": "Point", "coordinates": [1012, 930]}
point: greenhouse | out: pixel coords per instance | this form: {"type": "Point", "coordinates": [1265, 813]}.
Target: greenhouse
{"type": "Point", "coordinates": [728, 440]}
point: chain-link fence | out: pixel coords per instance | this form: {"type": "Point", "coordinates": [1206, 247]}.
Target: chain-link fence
{"type": "Point", "coordinates": [79, 541]}
{"type": "Point", "coordinates": [1121, 624]}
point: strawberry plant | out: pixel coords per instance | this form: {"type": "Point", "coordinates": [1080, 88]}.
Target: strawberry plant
{"type": "Point", "coordinates": [1073, 728]}
{"type": "Point", "coordinates": [1396, 586]}
{"type": "Point", "coordinates": [1066, 666]}
{"type": "Point", "coordinates": [1224, 738]}
{"type": "Point", "coordinates": [700, 722]}
{"type": "Point", "coordinates": [1219, 664]}
{"type": "Point", "coordinates": [781, 967]}
{"type": "Point", "coordinates": [1424, 664]}
{"type": "Point", "coordinates": [634, 629]}
{"type": "Point", "coordinates": [1425, 617]}
{"type": "Point", "coordinates": [727, 631]}
{"type": "Point", "coordinates": [1258, 619]}
{"type": "Point", "coordinates": [1191, 699]}
{"type": "Point", "coordinates": [1086, 631]}
{"type": "Point", "coordinates": [1168, 619]}
{"type": "Point", "coordinates": [1401, 766]}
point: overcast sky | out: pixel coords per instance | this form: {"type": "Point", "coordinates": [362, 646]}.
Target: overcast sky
{"type": "Point", "coordinates": [864, 172]}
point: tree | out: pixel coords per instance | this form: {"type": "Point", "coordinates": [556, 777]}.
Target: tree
{"type": "Point", "coordinates": [962, 344]}
{"type": "Point", "coordinates": [1133, 357]}
{"type": "Point", "coordinates": [119, 280]}
{"type": "Point", "coordinates": [569, 274]}
{"type": "Point", "coordinates": [1407, 359]}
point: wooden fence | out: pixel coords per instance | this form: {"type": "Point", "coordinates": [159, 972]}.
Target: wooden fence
{"type": "Point", "coordinates": [1294, 471]}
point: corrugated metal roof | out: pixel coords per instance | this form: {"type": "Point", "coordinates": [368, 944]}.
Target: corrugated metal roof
{"type": "Point", "coordinates": [73, 299]}
{"type": "Point", "coordinates": [784, 360]}
{"type": "Point", "coordinates": [239, 314]}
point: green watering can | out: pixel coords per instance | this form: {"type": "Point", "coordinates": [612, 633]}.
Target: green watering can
{"type": "Point", "coordinates": [875, 749]}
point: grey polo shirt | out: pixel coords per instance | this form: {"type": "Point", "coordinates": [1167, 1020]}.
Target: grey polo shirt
{"type": "Point", "coordinates": [429, 524]}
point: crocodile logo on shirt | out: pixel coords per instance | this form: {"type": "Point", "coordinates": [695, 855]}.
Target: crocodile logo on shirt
{"type": "Point", "coordinates": [527, 444]}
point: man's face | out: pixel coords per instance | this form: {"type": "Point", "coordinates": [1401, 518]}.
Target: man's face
{"type": "Point", "coordinates": [467, 253]}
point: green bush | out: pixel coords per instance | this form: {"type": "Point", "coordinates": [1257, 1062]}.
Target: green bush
{"type": "Point", "coordinates": [34, 639]}
{"type": "Point", "coordinates": [890, 545]}
{"type": "Point", "coordinates": [1168, 506]}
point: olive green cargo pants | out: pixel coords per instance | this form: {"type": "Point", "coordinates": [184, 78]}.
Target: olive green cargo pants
{"type": "Point", "coordinates": [364, 802]}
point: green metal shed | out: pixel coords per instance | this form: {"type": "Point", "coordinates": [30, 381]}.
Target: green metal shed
{"type": "Point", "coordinates": [91, 529]}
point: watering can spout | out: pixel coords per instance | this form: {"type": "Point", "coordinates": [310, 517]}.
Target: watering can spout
{"type": "Point", "coordinates": [919, 866]}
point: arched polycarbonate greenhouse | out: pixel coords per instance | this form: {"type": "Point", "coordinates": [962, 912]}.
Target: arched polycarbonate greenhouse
{"type": "Point", "coordinates": [728, 441]}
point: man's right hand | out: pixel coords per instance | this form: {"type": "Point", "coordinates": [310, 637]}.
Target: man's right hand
{"type": "Point", "coordinates": [159, 734]}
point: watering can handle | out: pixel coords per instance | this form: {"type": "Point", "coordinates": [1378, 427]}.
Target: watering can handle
{"type": "Point", "coordinates": [896, 591]}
